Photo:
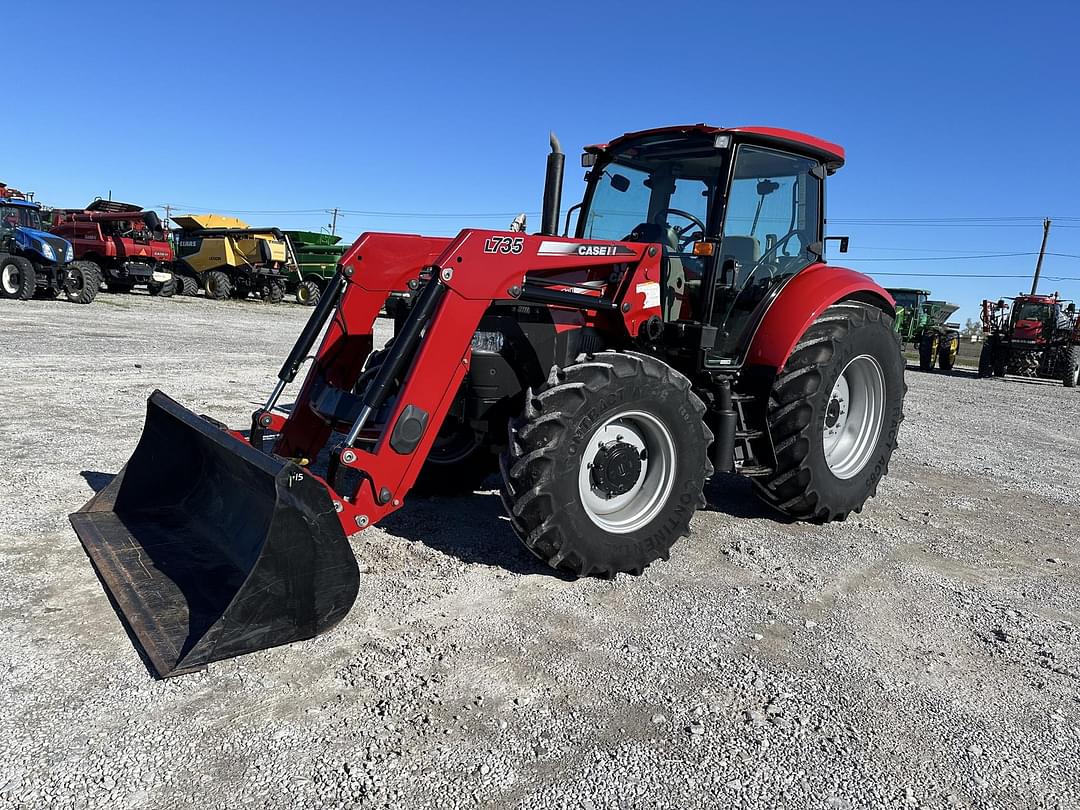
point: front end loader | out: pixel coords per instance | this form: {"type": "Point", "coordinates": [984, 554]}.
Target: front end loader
{"type": "Point", "coordinates": [690, 325]}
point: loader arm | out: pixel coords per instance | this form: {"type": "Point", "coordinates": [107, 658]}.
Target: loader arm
{"type": "Point", "coordinates": [458, 284]}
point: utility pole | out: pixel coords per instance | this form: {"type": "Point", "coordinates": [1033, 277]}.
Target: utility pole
{"type": "Point", "coordinates": [333, 224]}
{"type": "Point", "coordinates": [168, 216]}
{"type": "Point", "coordinates": [1042, 252]}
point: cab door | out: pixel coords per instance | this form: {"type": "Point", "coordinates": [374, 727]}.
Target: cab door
{"type": "Point", "coordinates": [771, 231]}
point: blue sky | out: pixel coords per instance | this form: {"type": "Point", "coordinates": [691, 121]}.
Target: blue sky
{"type": "Point", "coordinates": [947, 110]}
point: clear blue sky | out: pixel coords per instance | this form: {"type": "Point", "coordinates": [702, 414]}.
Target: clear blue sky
{"type": "Point", "coordinates": [947, 110]}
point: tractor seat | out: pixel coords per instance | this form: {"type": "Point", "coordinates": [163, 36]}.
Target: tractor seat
{"type": "Point", "coordinates": [743, 249]}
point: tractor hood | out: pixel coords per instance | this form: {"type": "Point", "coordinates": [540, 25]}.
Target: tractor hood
{"type": "Point", "coordinates": [49, 246]}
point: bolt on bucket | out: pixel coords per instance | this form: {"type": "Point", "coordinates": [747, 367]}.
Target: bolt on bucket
{"type": "Point", "coordinates": [211, 549]}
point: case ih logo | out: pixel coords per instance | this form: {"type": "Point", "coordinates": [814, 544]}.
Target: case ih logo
{"type": "Point", "coordinates": [572, 249]}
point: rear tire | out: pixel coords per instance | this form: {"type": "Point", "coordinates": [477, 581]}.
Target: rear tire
{"type": "Point", "coordinates": [308, 293]}
{"type": "Point", "coordinates": [834, 414]}
{"type": "Point", "coordinates": [605, 469]}
{"type": "Point", "coordinates": [1071, 369]}
{"type": "Point", "coordinates": [162, 289]}
{"type": "Point", "coordinates": [83, 282]}
{"type": "Point", "coordinates": [218, 286]}
{"type": "Point", "coordinates": [18, 279]}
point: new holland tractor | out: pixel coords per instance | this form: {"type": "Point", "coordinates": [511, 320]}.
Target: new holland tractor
{"type": "Point", "coordinates": [35, 262]}
{"type": "Point", "coordinates": [922, 323]}
{"type": "Point", "coordinates": [122, 243]}
{"type": "Point", "coordinates": [230, 259]}
{"type": "Point", "coordinates": [690, 326]}
{"type": "Point", "coordinates": [1038, 336]}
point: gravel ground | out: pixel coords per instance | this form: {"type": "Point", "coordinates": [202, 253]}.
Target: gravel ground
{"type": "Point", "coordinates": [923, 654]}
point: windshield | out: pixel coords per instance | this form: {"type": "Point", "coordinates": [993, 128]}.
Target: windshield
{"type": "Point", "coordinates": [1032, 312]}
{"type": "Point", "coordinates": [905, 298]}
{"type": "Point", "coordinates": [652, 189]}
{"type": "Point", "coordinates": [14, 216]}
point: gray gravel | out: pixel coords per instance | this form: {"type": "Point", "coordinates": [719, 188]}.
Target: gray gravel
{"type": "Point", "coordinates": [923, 654]}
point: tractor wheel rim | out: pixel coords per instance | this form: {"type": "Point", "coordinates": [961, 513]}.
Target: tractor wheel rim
{"type": "Point", "coordinates": [641, 495]}
{"type": "Point", "coordinates": [854, 416]}
{"type": "Point", "coordinates": [10, 279]}
{"type": "Point", "coordinates": [303, 294]}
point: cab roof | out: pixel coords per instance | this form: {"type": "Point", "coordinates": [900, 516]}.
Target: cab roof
{"type": "Point", "coordinates": [14, 201]}
{"type": "Point", "coordinates": [830, 153]}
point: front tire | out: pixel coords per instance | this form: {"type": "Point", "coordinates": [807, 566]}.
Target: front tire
{"type": "Point", "coordinates": [834, 414]}
{"type": "Point", "coordinates": [186, 285]}
{"type": "Point", "coordinates": [928, 349]}
{"type": "Point", "coordinates": [162, 289]}
{"type": "Point", "coordinates": [308, 293]}
{"type": "Point", "coordinates": [218, 286]}
{"type": "Point", "coordinates": [18, 279]}
{"type": "Point", "coordinates": [948, 349]}
{"type": "Point", "coordinates": [606, 467]}
{"type": "Point", "coordinates": [83, 282]}
{"type": "Point", "coordinates": [1071, 370]}
{"type": "Point", "coordinates": [986, 358]}
{"type": "Point", "coordinates": [458, 463]}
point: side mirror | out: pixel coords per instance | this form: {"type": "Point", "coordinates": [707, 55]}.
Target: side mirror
{"type": "Point", "coordinates": [620, 182]}
{"type": "Point", "coordinates": [843, 240]}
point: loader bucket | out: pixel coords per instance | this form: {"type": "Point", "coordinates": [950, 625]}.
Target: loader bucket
{"type": "Point", "coordinates": [210, 548]}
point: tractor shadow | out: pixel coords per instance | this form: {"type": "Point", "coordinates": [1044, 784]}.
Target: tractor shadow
{"type": "Point", "coordinates": [732, 494]}
{"type": "Point", "coordinates": [471, 528]}
{"type": "Point", "coordinates": [967, 373]}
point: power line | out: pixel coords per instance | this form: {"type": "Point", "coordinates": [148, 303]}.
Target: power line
{"type": "Point", "coordinates": [977, 275]}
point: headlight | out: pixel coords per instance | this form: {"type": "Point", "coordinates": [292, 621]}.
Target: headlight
{"type": "Point", "coordinates": [70, 255]}
{"type": "Point", "coordinates": [47, 251]}
{"type": "Point", "coordinates": [487, 342]}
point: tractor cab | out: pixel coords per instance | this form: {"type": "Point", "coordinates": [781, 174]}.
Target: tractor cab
{"type": "Point", "coordinates": [1033, 318]}
{"type": "Point", "coordinates": [737, 212]}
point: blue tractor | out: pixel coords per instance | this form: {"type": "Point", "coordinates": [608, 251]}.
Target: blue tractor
{"type": "Point", "coordinates": [33, 261]}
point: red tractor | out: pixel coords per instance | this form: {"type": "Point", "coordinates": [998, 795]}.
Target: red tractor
{"type": "Point", "coordinates": [690, 326]}
{"type": "Point", "coordinates": [123, 243]}
{"type": "Point", "coordinates": [1039, 336]}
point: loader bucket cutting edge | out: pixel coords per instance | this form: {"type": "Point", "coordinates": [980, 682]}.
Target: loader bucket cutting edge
{"type": "Point", "coordinates": [211, 549]}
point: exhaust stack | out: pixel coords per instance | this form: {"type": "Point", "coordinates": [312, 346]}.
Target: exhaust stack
{"type": "Point", "coordinates": [549, 220]}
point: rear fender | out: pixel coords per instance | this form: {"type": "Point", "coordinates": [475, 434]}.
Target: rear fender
{"type": "Point", "coordinates": [799, 304]}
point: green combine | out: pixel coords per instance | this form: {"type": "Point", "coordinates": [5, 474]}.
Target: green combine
{"type": "Point", "coordinates": [922, 324]}
{"type": "Point", "coordinates": [317, 255]}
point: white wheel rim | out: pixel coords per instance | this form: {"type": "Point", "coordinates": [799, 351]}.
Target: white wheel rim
{"type": "Point", "coordinates": [642, 502]}
{"type": "Point", "coordinates": [10, 281]}
{"type": "Point", "coordinates": [853, 416]}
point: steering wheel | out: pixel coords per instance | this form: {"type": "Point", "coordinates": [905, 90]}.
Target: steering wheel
{"type": "Point", "coordinates": [684, 240]}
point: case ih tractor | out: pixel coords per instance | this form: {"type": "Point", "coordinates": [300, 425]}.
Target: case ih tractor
{"type": "Point", "coordinates": [230, 259]}
{"type": "Point", "coordinates": [34, 262]}
{"type": "Point", "coordinates": [922, 323]}
{"type": "Point", "coordinates": [689, 326]}
{"type": "Point", "coordinates": [123, 243]}
{"type": "Point", "coordinates": [1039, 336]}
